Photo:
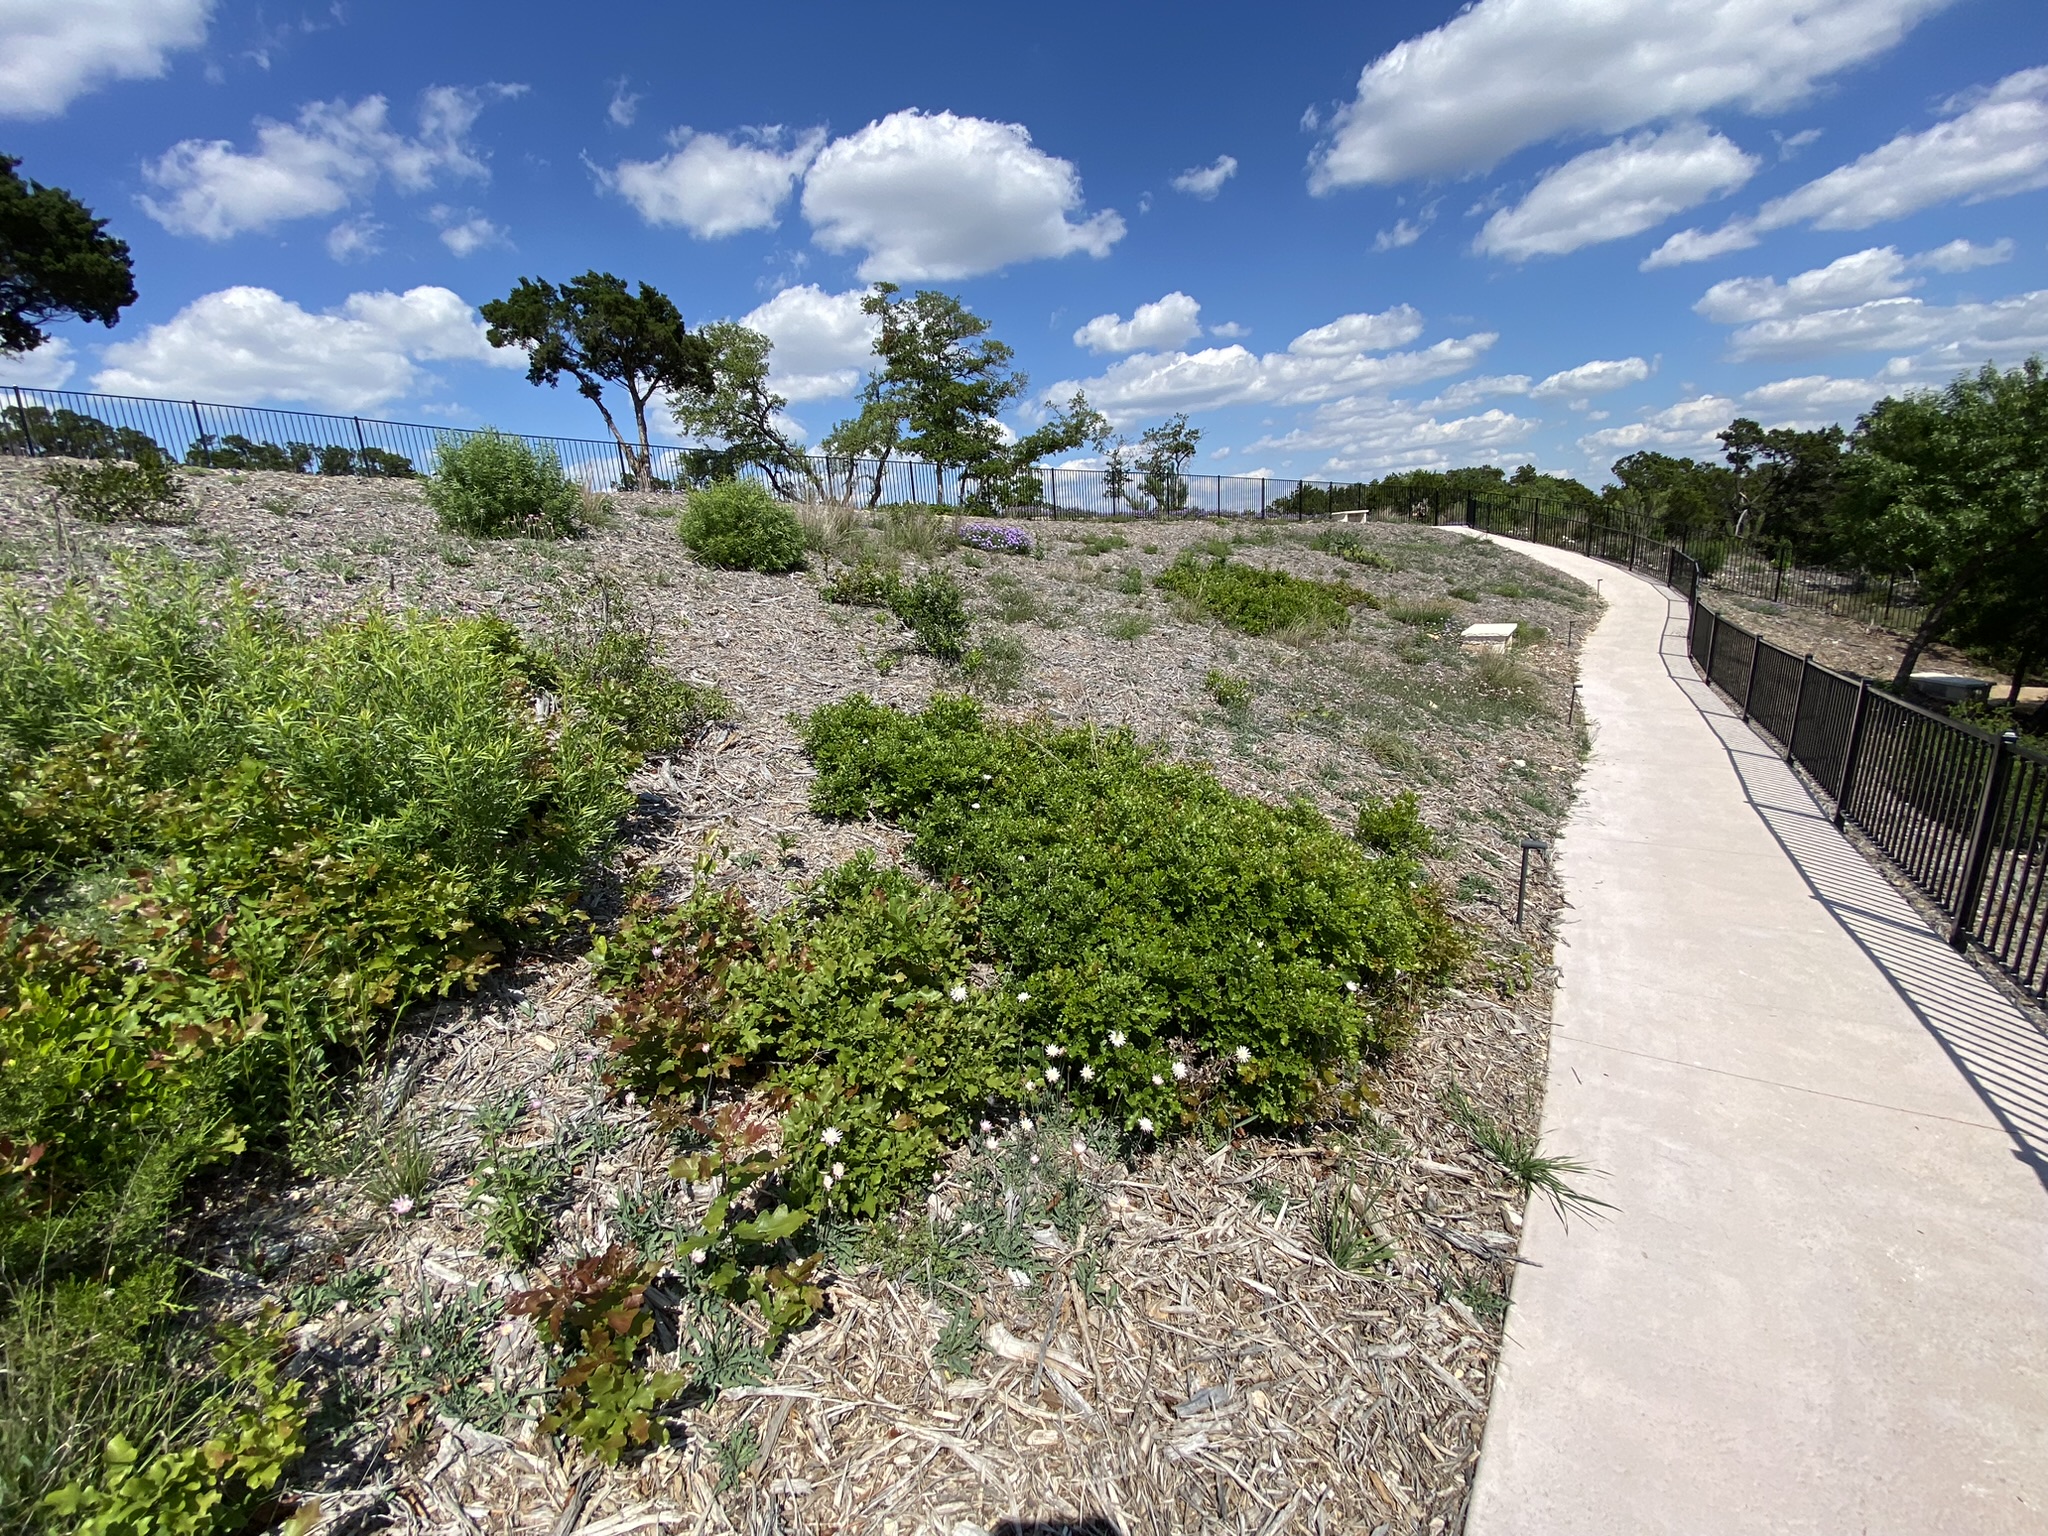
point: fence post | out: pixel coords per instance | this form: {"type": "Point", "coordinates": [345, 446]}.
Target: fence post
{"type": "Point", "coordinates": [1589, 535]}
{"type": "Point", "coordinates": [1713, 639]}
{"type": "Point", "coordinates": [1845, 784]}
{"type": "Point", "coordinates": [362, 448]}
{"type": "Point", "coordinates": [1262, 498]}
{"type": "Point", "coordinates": [1798, 699]}
{"type": "Point", "coordinates": [200, 427]}
{"type": "Point", "coordinates": [1219, 494]}
{"type": "Point", "coordinates": [1778, 587]}
{"type": "Point", "coordinates": [1635, 543]}
{"type": "Point", "coordinates": [1052, 489]}
{"type": "Point", "coordinates": [2002, 753]}
{"type": "Point", "coordinates": [28, 438]}
{"type": "Point", "coordinates": [1756, 651]}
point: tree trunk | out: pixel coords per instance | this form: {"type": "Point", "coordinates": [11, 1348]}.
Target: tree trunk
{"type": "Point", "coordinates": [2019, 679]}
{"type": "Point", "coordinates": [643, 461]}
{"type": "Point", "coordinates": [1930, 626]}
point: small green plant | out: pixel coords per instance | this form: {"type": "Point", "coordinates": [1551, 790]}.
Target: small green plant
{"type": "Point", "coordinates": [1131, 581]}
{"type": "Point", "coordinates": [595, 1313]}
{"type": "Point", "coordinates": [1522, 1159]}
{"type": "Point", "coordinates": [932, 607]}
{"type": "Point", "coordinates": [1013, 600]}
{"type": "Point", "coordinates": [723, 1351]}
{"type": "Point", "coordinates": [959, 1344]}
{"type": "Point", "coordinates": [1349, 545]}
{"type": "Point", "coordinates": [145, 491]}
{"type": "Point", "coordinates": [1507, 683]}
{"type": "Point", "coordinates": [1482, 1298]}
{"type": "Point", "coordinates": [1465, 594]}
{"type": "Point", "coordinates": [1258, 601]}
{"type": "Point", "coordinates": [735, 1454]}
{"type": "Point", "coordinates": [1394, 826]}
{"type": "Point", "coordinates": [401, 1171]}
{"type": "Point", "coordinates": [738, 525]}
{"type": "Point", "coordinates": [517, 1189]}
{"type": "Point", "coordinates": [913, 529]}
{"type": "Point", "coordinates": [1476, 887]}
{"type": "Point", "coordinates": [1345, 1233]}
{"type": "Point", "coordinates": [1103, 543]}
{"type": "Point", "coordinates": [1397, 752]}
{"type": "Point", "coordinates": [997, 667]}
{"type": "Point", "coordinates": [1128, 626]}
{"type": "Point", "coordinates": [491, 486]}
{"type": "Point", "coordinates": [440, 1350]}
{"type": "Point", "coordinates": [1233, 693]}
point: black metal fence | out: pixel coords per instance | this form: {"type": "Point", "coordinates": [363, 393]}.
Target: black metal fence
{"type": "Point", "coordinates": [1961, 812]}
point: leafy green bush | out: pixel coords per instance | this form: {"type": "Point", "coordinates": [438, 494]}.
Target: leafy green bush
{"type": "Point", "coordinates": [1231, 692]}
{"type": "Point", "coordinates": [932, 607]}
{"type": "Point", "coordinates": [1394, 827]}
{"type": "Point", "coordinates": [1349, 545]}
{"type": "Point", "coordinates": [230, 849]}
{"type": "Point", "coordinates": [594, 1313]}
{"type": "Point", "coordinates": [490, 486]}
{"type": "Point", "coordinates": [738, 525]}
{"type": "Point", "coordinates": [997, 667]}
{"type": "Point", "coordinates": [1171, 950]}
{"type": "Point", "coordinates": [146, 491]}
{"type": "Point", "coordinates": [1258, 601]}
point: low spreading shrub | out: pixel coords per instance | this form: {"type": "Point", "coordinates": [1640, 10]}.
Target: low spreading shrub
{"type": "Point", "coordinates": [997, 667]}
{"type": "Point", "coordinates": [1255, 600]}
{"type": "Point", "coordinates": [146, 491]}
{"type": "Point", "coordinates": [1349, 545]}
{"type": "Point", "coordinates": [738, 525]}
{"type": "Point", "coordinates": [1233, 693]}
{"type": "Point", "coordinates": [1394, 827]}
{"type": "Point", "coordinates": [490, 486]}
{"type": "Point", "coordinates": [596, 1316]}
{"type": "Point", "coordinates": [932, 607]}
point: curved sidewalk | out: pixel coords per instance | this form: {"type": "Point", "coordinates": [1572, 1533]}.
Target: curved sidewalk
{"type": "Point", "coordinates": [1820, 1303]}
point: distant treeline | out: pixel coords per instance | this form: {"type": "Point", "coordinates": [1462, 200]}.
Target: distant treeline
{"type": "Point", "coordinates": [68, 434]}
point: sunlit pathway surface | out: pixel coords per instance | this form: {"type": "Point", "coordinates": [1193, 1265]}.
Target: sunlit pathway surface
{"type": "Point", "coordinates": [1820, 1302]}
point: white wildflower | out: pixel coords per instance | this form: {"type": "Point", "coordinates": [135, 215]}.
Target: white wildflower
{"type": "Point", "coordinates": [831, 1136]}
{"type": "Point", "coordinates": [1180, 1070]}
{"type": "Point", "coordinates": [1144, 1125]}
{"type": "Point", "coordinates": [699, 1255]}
{"type": "Point", "coordinates": [1052, 1074]}
{"type": "Point", "coordinates": [402, 1206]}
{"type": "Point", "coordinates": [1034, 1159]}
{"type": "Point", "coordinates": [839, 1170]}
{"type": "Point", "coordinates": [1023, 997]}
{"type": "Point", "coordinates": [1027, 1124]}
{"type": "Point", "coordinates": [958, 994]}
{"type": "Point", "coordinates": [1087, 1073]}
{"type": "Point", "coordinates": [1350, 986]}
{"type": "Point", "coordinates": [991, 1143]}
{"type": "Point", "coordinates": [1244, 1053]}
{"type": "Point", "coordinates": [1158, 1081]}
{"type": "Point", "coordinates": [1080, 1146]}
{"type": "Point", "coordinates": [1052, 1052]}
{"type": "Point", "coordinates": [986, 1127]}
{"type": "Point", "coordinates": [828, 1182]}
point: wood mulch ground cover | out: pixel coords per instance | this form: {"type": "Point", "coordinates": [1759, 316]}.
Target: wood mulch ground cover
{"type": "Point", "coordinates": [1202, 1356]}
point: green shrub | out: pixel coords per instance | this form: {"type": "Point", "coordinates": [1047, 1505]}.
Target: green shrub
{"type": "Point", "coordinates": [738, 525]}
{"type": "Point", "coordinates": [1394, 827]}
{"type": "Point", "coordinates": [997, 667]}
{"type": "Point", "coordinates": [1349, 545]}
{"type": "Point", "coordinates": [598, 653]}
{"type": "Point", "coordinates": [231, 852]}
{"type": "Point", "coordinates": [1233, 693]}
{"type": "Point", "coordinates": [932, 607]}
{"type": "Point", "coordinates": [1143, 914]}
{"type": "Point", "coordinates": [1424, 615]}
{"type": "Point", "coordinates": [146, 491]}
{"type": "Point", "coordinates": [594, 1315]}
{"type": "Point", "coordinates": [1258, 601]}
{"type": "Point", "coordinates": [490, 486]}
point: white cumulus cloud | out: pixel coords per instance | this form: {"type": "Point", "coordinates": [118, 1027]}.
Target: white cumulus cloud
{"type": "Point", "coordinates": [1993, 144]}
{"type": "Point", "coordinates": [1877, 273]}
{"type": "Point", "coordinates": [333, 155]}
{"type": "Point", "coordinates": [1369, 436]}
{"type": "Point", "coordinates": [1965, 256]}
{"type": "Point", "coordinates": [716, 184]}
{"type": "Point", "coordinates": [1165, 322]}
{"type": "Point", "coordinates": [1946, 337]}
{"type": "Point", "coordinates": [1505, 74]}
{"type": "Point", "coordinates": [251, 344]}
{"type": "Point", "coordinates": [823, 342]}
{"type": "Point", "coordinates": [1687, 428]}
{"type": "Point", "coordinates": [1594, 378]}
{"type": "Point", "coordinates": [1205, 181]}
{"type": "Point", "coordinates": [49, 366]}
{"type": "Point", "coordinates": [1620, 189]}
{"type": "Point", "coordinates": [939, 197]}
{"type": "Point", "coordinates": [54, 51]}
{"type": "Point", "coordinates": [465, 231]}
{"type": "Point", "coordinates": [1347, 357]}
{"type": "Point", "coordinates": [355, 239]}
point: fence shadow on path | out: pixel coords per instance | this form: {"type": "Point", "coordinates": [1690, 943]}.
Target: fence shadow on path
{"type": "Point", "coordinates": [2000, 1049]}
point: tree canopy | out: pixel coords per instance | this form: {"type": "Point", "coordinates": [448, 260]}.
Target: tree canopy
{"type": "Point", "coordinates": [733, 407]}
{"type": "Point", "coordinates": [56, 262]}
{"type": "Point", "coordinates": [596, 330]}
{"type": "Point", "coordinates": [1952, 486]}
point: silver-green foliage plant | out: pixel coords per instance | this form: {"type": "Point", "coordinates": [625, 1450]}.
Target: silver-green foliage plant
{"type": "Point", "coordinates": [146, 491]}
{"type": "Point", "coordinates": [491, 486]}
{"type": "Point", "coordinates": [740, 526]}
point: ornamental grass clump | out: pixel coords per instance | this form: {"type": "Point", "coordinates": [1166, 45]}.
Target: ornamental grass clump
{"type": "Point", "coordinates": [490, 486]}
{"type": "Point", "coordinates": [738, 525]}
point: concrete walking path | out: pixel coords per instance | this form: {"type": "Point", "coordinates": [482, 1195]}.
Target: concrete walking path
{"type": "Point", "coordinates": [1820, 1303]}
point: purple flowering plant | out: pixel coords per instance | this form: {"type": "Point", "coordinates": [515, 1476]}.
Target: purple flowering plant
{"type": "Point", "coordinates": [997, 538]}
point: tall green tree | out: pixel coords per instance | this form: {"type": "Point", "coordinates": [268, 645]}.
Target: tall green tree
{"type": "Point", "coordinates": [1786, 483]}
{"type": "Point", "coordinates": [942, 383]}
{"type": "Point", "coordinates": [1163, 450]}
{"type": "Point", "coordinates": [1686, 496]}
{"type": "Point", "coordinates": [1951, 487]}
{"type": "Point", "coordinates": [598, 331]}
{"type": "Point", "coordinates": [735, 409]}
{"type": "Point", "coordinates": [56, 262]}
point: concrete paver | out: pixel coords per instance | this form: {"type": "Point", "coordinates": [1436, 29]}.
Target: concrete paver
{"type": "Point", "coordinates": [1820, 1303]}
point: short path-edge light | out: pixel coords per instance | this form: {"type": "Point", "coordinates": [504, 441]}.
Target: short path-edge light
{"type": "Point", "coordinates": [1529, 845]}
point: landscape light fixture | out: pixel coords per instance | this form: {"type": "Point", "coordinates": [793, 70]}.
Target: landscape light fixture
{"type": "Point", "coordinates": [1529, 845]}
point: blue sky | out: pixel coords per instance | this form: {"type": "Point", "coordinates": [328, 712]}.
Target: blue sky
{"type": "Point", "coordinates": [1344, 239]}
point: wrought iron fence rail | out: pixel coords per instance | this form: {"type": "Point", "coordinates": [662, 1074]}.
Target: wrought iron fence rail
{"type": "Point", "coordinates": [1961, 813]}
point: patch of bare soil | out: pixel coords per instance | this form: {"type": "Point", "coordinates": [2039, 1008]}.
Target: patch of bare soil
{"type": "Point", "coordinates": [1261, 1336]}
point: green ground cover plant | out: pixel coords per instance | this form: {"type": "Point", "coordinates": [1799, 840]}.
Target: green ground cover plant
{"type": "Point", "coordinates": [1349, 545]}
{"type": "Point", "coordinates": [931, 605]}
{"type": "Point", "coordinates": [738, 525]}
{"type": "Point", "coordinates": [232, 852]}
{"type": "Point", "coordinates": [1258, 601]}
{"type": "Point", "coordinates": [146, 491]}
{"type": "Point", "coordinates": [490, 486]}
